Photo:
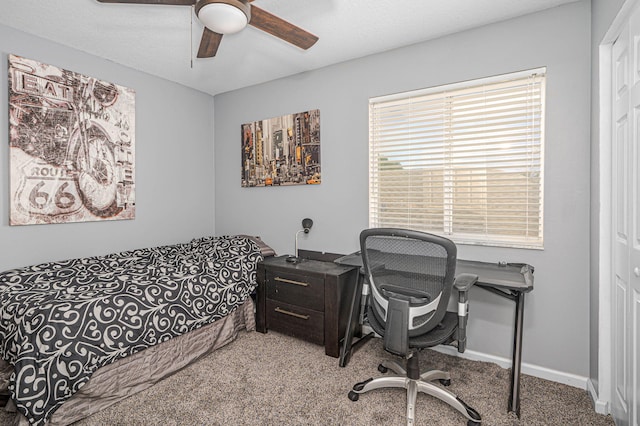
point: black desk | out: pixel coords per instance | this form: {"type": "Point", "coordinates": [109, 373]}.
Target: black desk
{"type": "Point", "coordinates": [511, 281]}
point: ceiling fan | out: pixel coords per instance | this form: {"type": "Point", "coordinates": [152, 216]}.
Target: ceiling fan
{"type": "Point", "coordinates": [229, 16]}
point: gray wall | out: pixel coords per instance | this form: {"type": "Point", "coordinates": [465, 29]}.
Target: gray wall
{"type": "Point", "coordinates": [174, 153]}
{"type": "Point", "coordinates": [602, 14]}
{"type": "Point", "coordinates": [557, 312]}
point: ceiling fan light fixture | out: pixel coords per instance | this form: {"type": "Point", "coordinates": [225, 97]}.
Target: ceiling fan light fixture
{"type": "Point", "coordinates": [224, 16]}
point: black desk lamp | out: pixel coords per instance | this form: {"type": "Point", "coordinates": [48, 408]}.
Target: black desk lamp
{"type": "Point", "coordinates": [306, 226]}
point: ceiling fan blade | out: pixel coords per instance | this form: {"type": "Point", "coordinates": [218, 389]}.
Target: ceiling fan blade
{"type": "Point", "coordinates": [209, 44]}
{"type": "Point", "coordinates": [167, 2]}
{"type": "Point", "coordinates": [280, 28]}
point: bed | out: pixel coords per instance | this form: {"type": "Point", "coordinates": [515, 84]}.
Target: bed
{"type": "Point", "coordinates": [78, 336]}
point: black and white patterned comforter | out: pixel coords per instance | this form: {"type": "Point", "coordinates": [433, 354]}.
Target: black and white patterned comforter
{"type": "Point", "coordinates": [61, 321]}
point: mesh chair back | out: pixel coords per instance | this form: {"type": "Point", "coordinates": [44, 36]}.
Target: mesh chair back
{"type": "Point", "coordinates": [413, 265]}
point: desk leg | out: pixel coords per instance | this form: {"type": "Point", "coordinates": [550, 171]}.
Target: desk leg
{"type": "Point", "coordinates": [514, 394]}
{"type": "Point", "coordinates": [352, 322]}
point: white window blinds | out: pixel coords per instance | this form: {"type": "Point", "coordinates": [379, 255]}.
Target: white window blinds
{"type": "Point", "coordinates": [464, 160]}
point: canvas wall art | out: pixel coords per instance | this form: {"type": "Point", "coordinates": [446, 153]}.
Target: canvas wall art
{"type": "Point", "coordinates": [71, 144]}
{"type": "Point", "coordinates": [282, 150]}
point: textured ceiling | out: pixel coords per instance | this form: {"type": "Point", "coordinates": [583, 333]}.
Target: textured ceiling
{"type": "Point", "coordinates": [163, 40]}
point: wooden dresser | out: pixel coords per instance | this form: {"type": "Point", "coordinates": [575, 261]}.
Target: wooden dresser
{"type": "Point", "coordinates": [309, 300]}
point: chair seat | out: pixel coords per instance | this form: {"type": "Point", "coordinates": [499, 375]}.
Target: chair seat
{"type": "Point", "coordinates": [437, 336]}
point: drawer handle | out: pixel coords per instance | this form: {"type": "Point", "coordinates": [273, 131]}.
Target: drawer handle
{"type": "Point", "coordinates": [284, 280]}
{"type": "Point", "coordinates": [293, 314]}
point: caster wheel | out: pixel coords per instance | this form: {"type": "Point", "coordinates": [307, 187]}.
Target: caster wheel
{"type": "Point", "coordinates": [445, 382]}
{"type": "Point", "coordinates": [475, 420]}
{"type": "Point", "coordinates": [360, 386]}
{"type": "Point", "coordinates": [353, 396]}
{"type": "Point", "coordinates": [382, 368]}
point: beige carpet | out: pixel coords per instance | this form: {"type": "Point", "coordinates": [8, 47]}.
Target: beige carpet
{"type": "Point", "coordinates": [272, 379]}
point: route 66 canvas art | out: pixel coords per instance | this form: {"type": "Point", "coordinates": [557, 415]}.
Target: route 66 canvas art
{"type": "Point", "coordinates": [71, 144]}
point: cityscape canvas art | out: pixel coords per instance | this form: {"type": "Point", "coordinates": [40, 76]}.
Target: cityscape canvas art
{"type": "Point", "coordinates": [282, 150]}
{"type": "Point", "coordinates": [71, 145]}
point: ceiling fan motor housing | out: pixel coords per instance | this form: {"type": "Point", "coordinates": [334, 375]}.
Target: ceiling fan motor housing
{"type": "Point", "coordinates": [224, 16]}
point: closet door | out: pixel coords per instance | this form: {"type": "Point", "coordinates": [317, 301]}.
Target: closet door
{"type": "Point", "coordinates": [625, 405]}
{"type": "Point", "coordinates": [633, 302]}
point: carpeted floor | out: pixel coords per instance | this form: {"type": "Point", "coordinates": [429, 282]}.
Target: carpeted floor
{"type": "Point", "coordinates": [272, 379]}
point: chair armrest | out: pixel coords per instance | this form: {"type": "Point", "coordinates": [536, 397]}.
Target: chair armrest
{"type": "Point", "coordinates": [464, 282]}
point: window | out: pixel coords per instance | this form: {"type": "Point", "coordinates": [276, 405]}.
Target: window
{"type": "Point", "coordinates": [463, 160]}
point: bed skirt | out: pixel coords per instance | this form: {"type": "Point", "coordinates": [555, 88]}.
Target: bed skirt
{"type": "Point", "coordinates": [115, 382]}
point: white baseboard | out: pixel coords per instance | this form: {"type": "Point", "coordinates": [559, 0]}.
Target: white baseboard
{"type": "Point", "coordinates": [601, 407]}
{"type": "Point", "coordinates": [530, 369]}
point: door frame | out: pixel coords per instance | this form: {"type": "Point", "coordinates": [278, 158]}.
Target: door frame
{"type": "Point", "coordinates": [602, 395]}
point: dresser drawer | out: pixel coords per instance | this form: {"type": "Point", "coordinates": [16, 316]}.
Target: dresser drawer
{"type": "Point", "coordinates": [296, 289]}
{"type": "Point", "coordinates": [295, 321]}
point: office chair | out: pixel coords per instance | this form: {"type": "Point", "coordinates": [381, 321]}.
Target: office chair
{"type": "Point", "coordinates": [411, 275]}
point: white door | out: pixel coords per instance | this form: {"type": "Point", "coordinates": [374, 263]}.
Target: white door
{"type": "Point", "coordinates": [620, 179]}
{"type": "Point", "coordinates": [625, 403]}
{"type": "Point", "coordinates": [633, 306]}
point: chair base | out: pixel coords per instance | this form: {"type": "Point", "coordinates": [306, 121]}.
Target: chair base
{"type": "Point", "coordinates": [413, 386]}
